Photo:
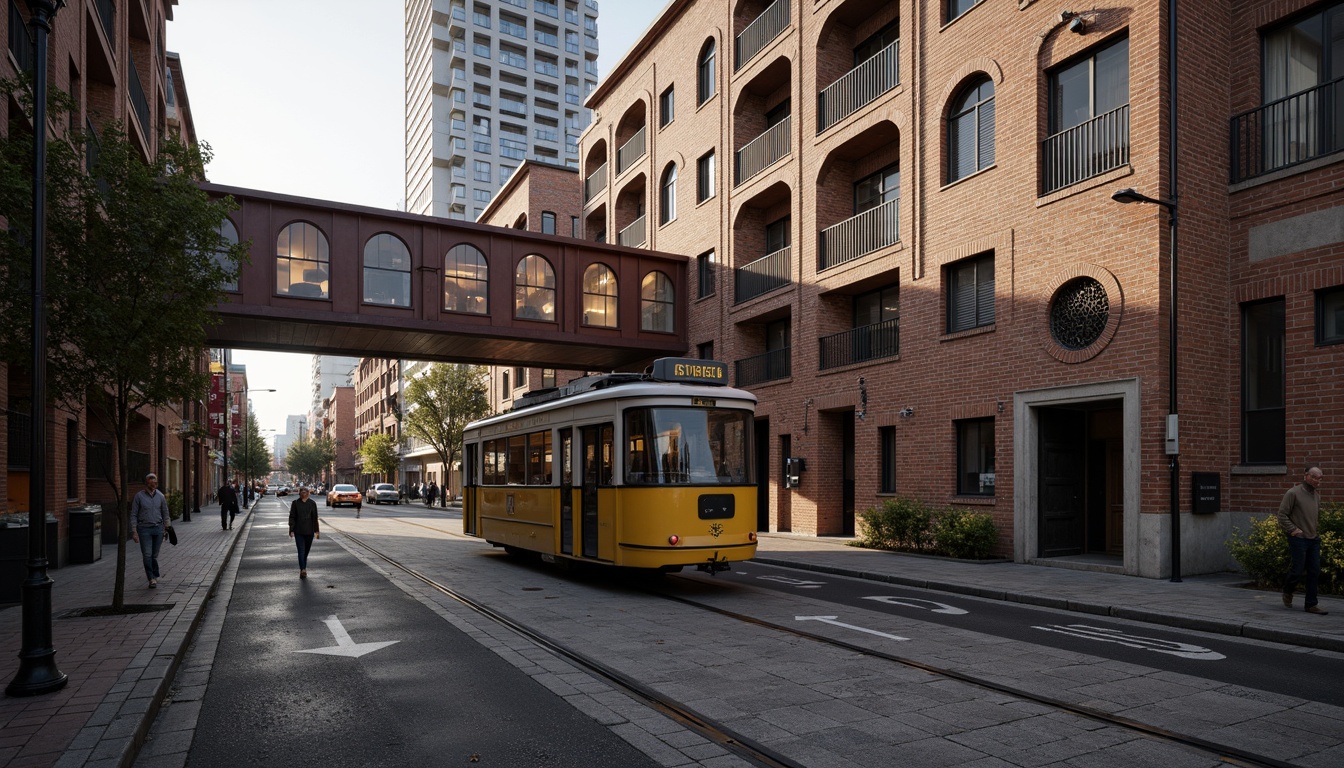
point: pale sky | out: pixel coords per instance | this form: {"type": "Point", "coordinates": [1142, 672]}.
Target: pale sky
{"type": "Point", "coordinates": [304, 97]}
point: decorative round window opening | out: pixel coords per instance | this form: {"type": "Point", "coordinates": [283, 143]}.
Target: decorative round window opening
{"type": "Point", "coordinates": [1078, 313]}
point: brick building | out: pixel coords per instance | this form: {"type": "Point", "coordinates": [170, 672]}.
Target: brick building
{"type": "Point", "coordinates": [926, 273]}
{"type": "Point", "coordinates": [377, 409]}
{"type": "Point", "coordinates": [111, 58]}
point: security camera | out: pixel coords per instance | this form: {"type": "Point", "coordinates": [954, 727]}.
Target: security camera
{"type": "Point", "coordinates": [1077, 26]}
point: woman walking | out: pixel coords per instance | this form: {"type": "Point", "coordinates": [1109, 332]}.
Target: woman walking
{"type": "Point", "coordinates": [303, 527]}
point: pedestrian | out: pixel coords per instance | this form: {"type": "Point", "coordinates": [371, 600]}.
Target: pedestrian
{"type": "Point", "coordinates": [1298, 515]}
{"type": "Point", "coordinates": [430, 493]}
{"type": "Point", "coordinates": [228, 505]}
{"type": "Point", "coordinates": [149, 519]}
{"type": "Point", "coordinates": [303, 528]}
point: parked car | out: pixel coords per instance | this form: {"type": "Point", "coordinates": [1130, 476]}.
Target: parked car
{"type": "Point", "coordinates": [272, 489]}
{"type": "Point", "coordinates": [380, 493]}
{"type": "Point", "coordinates": [344, 494]}
{"type": "Point", "coordinates": [284, 491]}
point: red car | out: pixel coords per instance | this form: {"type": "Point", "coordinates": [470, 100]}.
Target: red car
{"type": "Point", "coordinates": [345, 494]}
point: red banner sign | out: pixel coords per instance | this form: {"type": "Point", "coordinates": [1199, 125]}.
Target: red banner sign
{"type": "Point", "coordinates": [215, 406]}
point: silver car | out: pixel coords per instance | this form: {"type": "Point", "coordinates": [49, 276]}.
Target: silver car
{"type": "Point", "coordinates": [380, 493]}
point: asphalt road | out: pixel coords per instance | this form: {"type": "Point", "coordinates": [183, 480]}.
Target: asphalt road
{"type": "Point", "coordinates": [434, 697]}
{"type": "Point", "coordinates": [1263, 666]}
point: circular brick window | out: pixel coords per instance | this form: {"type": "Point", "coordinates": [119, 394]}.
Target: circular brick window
{"type": "Point", "coordinates": [1079, 313]}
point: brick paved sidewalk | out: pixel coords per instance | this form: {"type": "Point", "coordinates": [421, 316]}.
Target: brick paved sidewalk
{"type": "Point", "coordinates": [119, 667]}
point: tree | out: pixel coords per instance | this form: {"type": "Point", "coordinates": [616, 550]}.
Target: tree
{"type": "Point", "coordinates": [251, 456]}
{"type": "Point", "coordinates": [307, 458]}
{"type": "Point", "coordinates": [380, 454]}
{"type": "Point", "coordinates": [136, 260]}
{"type": "Point", "coordinates": [441, 403]}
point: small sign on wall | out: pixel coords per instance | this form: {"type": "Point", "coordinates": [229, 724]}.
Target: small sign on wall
{"type": "Point", "coordinates": [1208, 492]}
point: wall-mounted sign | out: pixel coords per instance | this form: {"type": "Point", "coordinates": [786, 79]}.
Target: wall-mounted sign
{"type": "Point", "coordinates": [1208, 492]}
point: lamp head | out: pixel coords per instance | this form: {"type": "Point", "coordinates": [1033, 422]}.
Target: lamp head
{"type": "Point", "coordinates": [1128, 195]}
{"type": "Point", "coordinates": [1077, 26]}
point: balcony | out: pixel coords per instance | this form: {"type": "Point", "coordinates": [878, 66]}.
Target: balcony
{"type": "Point", "coordinates": [633, 235]}
{"type": "Point", "coordinates": [20, 41]}
{"type": "Point", "coordinates": [1291, 130]}
{"type": "Point", "coordinates": [138, 101]}
{"type": "Point", "coordinates": [772, 366]}
{"type": "Point", "coordinates": [630, 151]}
{"type": "Point", "coordinates": [107, 14]}
{"type": "Point", "coordinates": [760, 32]}
{"type": "Point", "coordinates": [762, 276]}
{"type": "Point", "coordinates": [763, 151]}
{"type": "Point", "coordinates": [1086, 150]}
{"type": "Point", "coordinates": [860, 345]}
{"type": "Point", "coordinates": [19, 435]}
{"type": "Point", "coordinates": [860, 235]}
{"type": "Point", "coordinates": [595, 183]}
{"type": "Point", "coordinates": [859, 86]}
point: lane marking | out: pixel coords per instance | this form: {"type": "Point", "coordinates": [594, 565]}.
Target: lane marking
{"type": "Point", "coordinates": [345, 646]}
{"type": "Point", "coordinates": [912, 602]}
{"type": "Point", "coordinates": [1184, 650]}
{"type": "Point", "coordinates": [792, 582]}
{"type": "Point", "coordinates": [832, 620]}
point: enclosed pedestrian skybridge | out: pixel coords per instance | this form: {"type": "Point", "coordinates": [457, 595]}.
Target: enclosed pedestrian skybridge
{"type": "Point", "coordinates": [339, 279]}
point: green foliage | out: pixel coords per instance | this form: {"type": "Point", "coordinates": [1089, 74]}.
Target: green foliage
{"type": "Point", "coordinates": [175, 504]}
{"type": "Point", "coordinates": [442, 402]}
{"type": "Point", "coordinates": [307, 458]}
{"type": "Point", "coordinates": [904, 524]}
{"type": "Point", "coordinates": [1262, 552]}
{"type": "Point", "coordinates": [380, 454]}
{"type": "Point", "coordinates": [251, 456]}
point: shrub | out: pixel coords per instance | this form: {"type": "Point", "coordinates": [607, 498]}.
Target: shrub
{"type": "Point", "coordinates": [1263, 551]}
{"type": "Point", "coordinates": [902, 524]}
{"type": "Point", "coordinates": [174, 504]}
{"type": "Point", "coordinates": [964, 534]}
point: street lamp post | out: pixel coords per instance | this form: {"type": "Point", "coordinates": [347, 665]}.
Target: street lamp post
{"type": "Point", "coordinates": [1129, 195]}
{"type": "Point", "coordinates": [38, 672]}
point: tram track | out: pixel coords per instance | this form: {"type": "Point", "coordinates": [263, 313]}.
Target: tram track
{"type": "Point", "coordinates": [759, 754]}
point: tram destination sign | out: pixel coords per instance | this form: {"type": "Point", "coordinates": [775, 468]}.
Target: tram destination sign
{"type": "Point", "coordinates": [691, 371]}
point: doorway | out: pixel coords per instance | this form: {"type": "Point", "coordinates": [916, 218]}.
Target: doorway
{"type": "Point", "coordinates": [1080, 480]}
{"type": "Point", "coordinates": [762, 460]}
{"type": "Point", "coordinates": [847, 473]}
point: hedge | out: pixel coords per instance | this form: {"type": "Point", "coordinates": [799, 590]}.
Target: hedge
{"type": "Point", "coordinates": [1263, 551]}
{"type": "Point", "coordinates": [903, 524]}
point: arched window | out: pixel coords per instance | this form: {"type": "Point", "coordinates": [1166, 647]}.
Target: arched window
{"type": "Point", "coordinates": [705, 81]}
{"type": "Point", "coordinates": [657, 303]}
{"type": "Point", "coordinates": [465, 280]}
{"type": "Point", "coordinates": [534, 289]}
{"type": "Point", "coordinates": [667, 201]}
{"type": "Point", "coordinates": [970, 130]}
{"type": "Point", "coordinates": [230, 234]}
{"type": "Point", "coordinates": [387, 271]}
{"type": "Point", "coordinates": [302, 261]}
{"type": "Point", "coordinates": [599, 296]}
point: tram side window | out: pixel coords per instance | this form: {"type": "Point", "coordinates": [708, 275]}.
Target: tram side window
{"type": "Point", "coordinates": [493, 455]}
{"type": "Point", "coordinates": [608, 438]}
{"type": "Point", "coordinates": [539, 458]}
{"type": "Point", "coordinates": [516, 466]}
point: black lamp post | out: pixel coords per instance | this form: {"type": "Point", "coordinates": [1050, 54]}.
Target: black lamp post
{"type": "Point", "coordinates": [38, 672]}
{"type": "Point", "coordinates": [1128, 195]}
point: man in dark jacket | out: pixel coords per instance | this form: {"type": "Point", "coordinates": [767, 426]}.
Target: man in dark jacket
{"type": "Point", "coordinates": [303, 527]}
{"type": "Point", "coordinates": [1299, 513]}
{"type": "Point", "coordinates": [228, 505]}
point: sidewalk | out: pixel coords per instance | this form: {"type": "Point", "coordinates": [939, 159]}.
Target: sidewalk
{"type": "Point", "coordinates": [119, 667]}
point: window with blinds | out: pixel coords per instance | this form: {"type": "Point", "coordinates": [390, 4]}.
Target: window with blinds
{"type": "Point", "coordinates": [970, 293]}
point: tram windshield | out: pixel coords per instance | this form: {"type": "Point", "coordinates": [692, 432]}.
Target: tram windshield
{"type": "Point", "coordinates": [691, 446]}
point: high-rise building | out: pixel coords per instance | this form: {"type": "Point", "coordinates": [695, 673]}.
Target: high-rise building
{"type": "Point", "coordinates": [329, 372]}
{"type": "Point", "coordinates": [489, 84]}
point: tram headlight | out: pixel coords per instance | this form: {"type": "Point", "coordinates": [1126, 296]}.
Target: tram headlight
{"type": "Point", "coordinates": [751, 536]}
{"type": "Point", "coordinates": [674, 539]}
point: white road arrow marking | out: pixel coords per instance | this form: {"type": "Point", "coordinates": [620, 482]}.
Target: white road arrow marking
{"type": "Point", "coordinates": [912, 602]}
{"type": "Point", "coordinates": [792, 582]}
{"type": "Point", "coordinates": [344, 645]}
{"type": "Point", "coordinates": [1184, 650]}
{"type": "Point", "coordinates": [832, 620]}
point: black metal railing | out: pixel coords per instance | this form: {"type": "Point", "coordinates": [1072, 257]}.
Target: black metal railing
{"type": "Point", "coordinates": [630, 151]}
{"type": "Point", "coordinates": [772, 366]}
{"type": "Point", "coordinates": [20, 39]}
{"type": "Point", "coordinates": [760, 32]}
{"type": "Point", "coordinates": [1085, 150]}
{"type": "Point", "coordinates": [763, 151]}
{"type": "Point", "coordinates": [138, 101]}
{"type": "Point", "coordinates": [762, 275]}
{"type": "Point", "coordinates": [872, 230]}
{"type": "Point", "coordinates": [633, 234]}
{"type": "Point", "coordinates": [1288, 131]}
{"type": "Point", "coordinates": [595, 183]}
{"type": "Point", "coordinates": [858, 87]}
{"type": "Point", "coordinates": [19, 433]}
{"type": "Point", "coordinates": [107, 14]}
{"type": "Point", "coordinates": [859, 345]}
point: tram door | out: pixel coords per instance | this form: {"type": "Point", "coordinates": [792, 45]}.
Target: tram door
{"type": "Point", "coordinates": [596, 445]}
{"type": "Point", "coordinates": [566, 491]}
{"type": "Point", "coordinates": [469, 490]}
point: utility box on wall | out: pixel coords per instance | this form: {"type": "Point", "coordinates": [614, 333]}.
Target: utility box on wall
{"type": "Point", "coordinates": [1208, 492]}
{"type": "Point", "coordinates": [793, 471]}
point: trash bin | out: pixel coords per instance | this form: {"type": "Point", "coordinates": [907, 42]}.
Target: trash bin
{"type": "Point", "coordinates": [86, 534]}
{"type": "Point", "coordinates": [14, 555]}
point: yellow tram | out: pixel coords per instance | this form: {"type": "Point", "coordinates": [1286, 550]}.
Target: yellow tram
{"type": "Point", "coordinates": [643, 470]}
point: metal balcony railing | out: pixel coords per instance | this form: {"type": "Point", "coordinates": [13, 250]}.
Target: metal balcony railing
{"type": "Point", "coordinates": [760, 32]}
{"type": "Point", "coordinates": [595, 183]}
{"type": "Point", "coordinates": [630, 151]}
{"type": "Point", "coordinates": [20, 39]}
{"type": "Point", "coordinates": [138, 101]}
{"type": "Point", "coordinates": [772, 366]}
{"type": "Point", "coordinates": [19, 433]}
{"type": "Point", "coordinates": [872, 230]}
{"type": "Point", "coordinates": [859, 86]}
{"type": "Point", "coordinates": [633, 234]}
{"type": "Point", "coordinates": [107, 14]}
{"type": "Point", "coordinates": [858, 345]}
{"type": "Point", "coordinates": [762, 275]}
{"type": "Point", "coordinates": [1288, 131]}
{"type": "Point", "coordinates": [763, 151]}
{"type": "Point", "coordinates": [1086, 150]}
